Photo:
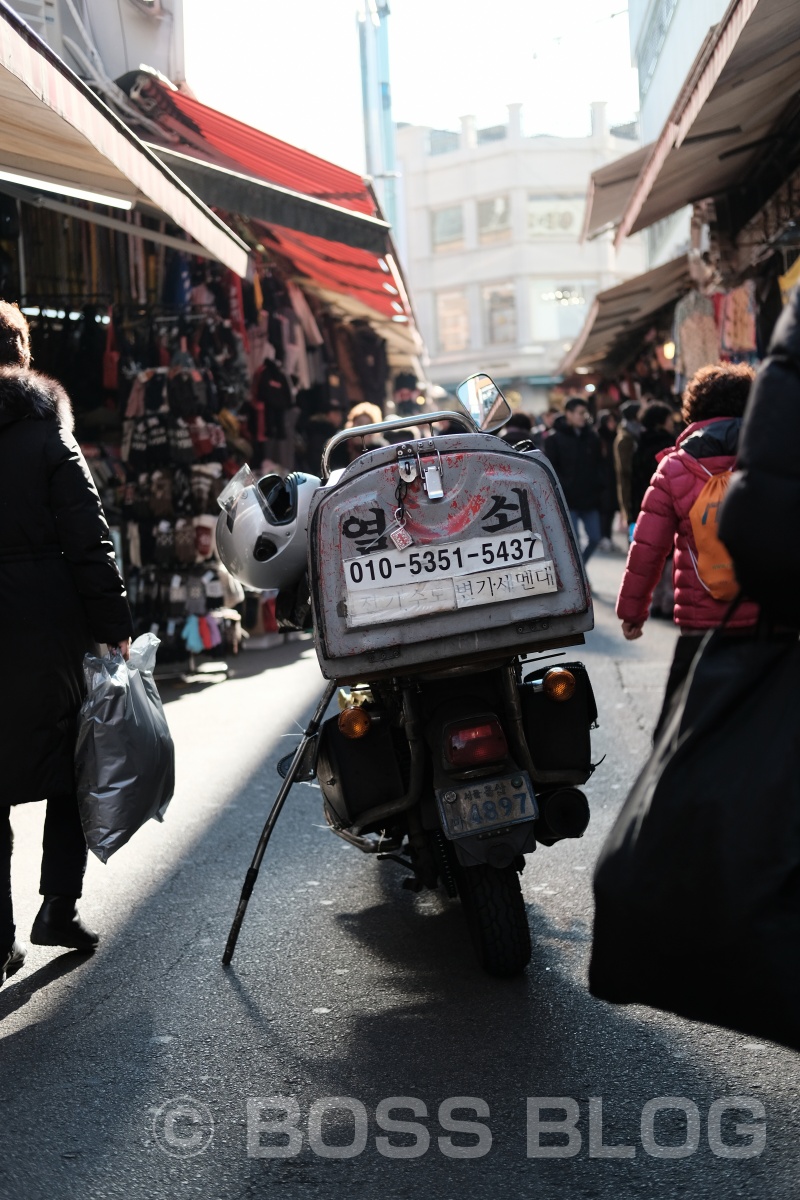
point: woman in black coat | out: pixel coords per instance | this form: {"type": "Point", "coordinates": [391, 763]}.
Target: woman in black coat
{"type": "Point", "coordinates": [60, 594]}
{"type": "Point", "coordinates": [760, 515]}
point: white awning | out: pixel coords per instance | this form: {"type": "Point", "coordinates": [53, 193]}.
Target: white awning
{"type": "Point", "coordinates": [56, 132]}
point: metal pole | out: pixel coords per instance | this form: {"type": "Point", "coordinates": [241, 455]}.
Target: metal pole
{"type": "Point", "coordinates": [252, 872]}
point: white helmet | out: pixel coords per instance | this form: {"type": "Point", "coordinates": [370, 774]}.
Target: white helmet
{"type": "Point", "coordinates": [262, 529]}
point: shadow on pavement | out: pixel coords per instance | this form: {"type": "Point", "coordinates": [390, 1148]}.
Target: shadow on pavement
{"type": "Point", "coordinates": [244, 665]}
{"type": "Point", "coordinates": [20, 988]}
{"type": "Point", "coordinates": [343, 984]}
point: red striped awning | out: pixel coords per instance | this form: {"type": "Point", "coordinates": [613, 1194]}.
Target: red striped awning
{"type": "Point", "coordinates": [336, 267]}
{"type": "Point", "coordinates": [230, 143]}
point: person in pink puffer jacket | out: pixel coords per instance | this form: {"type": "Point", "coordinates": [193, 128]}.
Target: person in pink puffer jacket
{"type": "Point", "coordinates": [713, 404]}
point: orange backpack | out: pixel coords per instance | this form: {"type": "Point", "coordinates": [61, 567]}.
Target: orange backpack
{"type": "Point", "coordinates": [713, 562]}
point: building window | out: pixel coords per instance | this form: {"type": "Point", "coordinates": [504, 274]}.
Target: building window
{"type": "Point", "coordinates": [452, 322]}
{"type": "Point", "coordinates": [653, 43]}
{"type": "Point", "coordinates": [494, 220]}
{"type": "Point", "coordinates": [558, 309]}
{"type": "Point", "coordinates": [555, 217]}
{"type": "Point", "coordinates": [500, 314]}
{"type": "Point", "coordinates": [447, 229]}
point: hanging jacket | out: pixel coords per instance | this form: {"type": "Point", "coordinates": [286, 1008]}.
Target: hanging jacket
{"type": "Point", "coordinates": [60, 589]}
{"type": "Point", "coordinates": [664, 523]}
{"type": "Point", "coordinates": [759, 518]}
{"type": "Point", "coordinates": [575, 454]}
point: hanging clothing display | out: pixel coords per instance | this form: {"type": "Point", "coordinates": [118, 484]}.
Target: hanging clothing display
{"type": "Point", "coordinates": [696, 337]}
{"type": "Point", "coordinates": [179, 373]}
{"type": "Point", "coordinates": [737, 321]}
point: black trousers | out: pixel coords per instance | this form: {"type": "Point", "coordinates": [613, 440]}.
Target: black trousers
{"type": "Point", "coordinates": [63, 858]}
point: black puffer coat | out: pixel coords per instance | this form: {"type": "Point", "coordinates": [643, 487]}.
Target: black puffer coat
{"type": "Point", "coordinates": [575, 454]}
{"type": "Point", "coordinates": [761, 514]}
{"type": "Point", "coordinates": [60, 589]}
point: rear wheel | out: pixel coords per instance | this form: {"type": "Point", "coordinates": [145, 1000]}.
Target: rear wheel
{"type": "Point", "coordinates": [498, 922]}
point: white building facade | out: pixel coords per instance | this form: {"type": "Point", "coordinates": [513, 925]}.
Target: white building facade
{"type": "Point", "coordinates": [97, 37]}
{"type": "Point", "coordinates": [666, 36]}
{"type": "Point", "coordinates": [490, 234]}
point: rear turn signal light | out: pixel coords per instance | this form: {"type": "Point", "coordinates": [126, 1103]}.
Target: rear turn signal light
{"type": "Point", "coordinates": [559, 684]}
{"type": "Point", "coordinates": [473, 743]}
{"type": "Point", "coordinates": [354, 723]}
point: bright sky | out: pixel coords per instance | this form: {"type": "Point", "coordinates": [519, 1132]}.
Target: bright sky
{"type": "Point", "coordinates": [293, 68]}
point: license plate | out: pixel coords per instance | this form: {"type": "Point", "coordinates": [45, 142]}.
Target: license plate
{"type": "Point", "coordinates": [487, 804]}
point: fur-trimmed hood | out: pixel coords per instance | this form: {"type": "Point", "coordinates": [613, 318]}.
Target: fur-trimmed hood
{"type": "Point", "coordinates": [27, 395]}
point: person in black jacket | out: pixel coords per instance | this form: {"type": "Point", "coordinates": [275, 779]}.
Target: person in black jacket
{"type": "Point", "coordinates": [607, 432]}
{"type": "Point", "coordinates": [60, 594]}
{"type": "Point", "coordinates": [658, 433]}
{"type": "Point", "coordinates": [574, 450]}
{"type": "Point", "coordinates": [760, 514]}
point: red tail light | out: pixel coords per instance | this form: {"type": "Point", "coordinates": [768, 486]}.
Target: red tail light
{"type": "Point", "coordinates": [475, 742]}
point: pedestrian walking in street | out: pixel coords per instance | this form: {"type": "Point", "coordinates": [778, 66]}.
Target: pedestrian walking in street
{"type": "Point", "coordinates": [658, 434]}
{"type": "Point", "coordinates": [574, 450]}
{"type": "Point", "coordinates": [627, 440]}
{"type": "Point", "coordinates": [518, 428]}
{"type": "Point", "coordinates": [607, 432]}
{"type": "Point", "coordinates": [60, 593]}
{"type": "Point", "coordinates": [545, 426]}
{"type": "Point", "coordinates": [756, 523]}
{"type": "Point", "coordinates": [713, 405]}
{"type": "Point", "coordinates": [657, 421]}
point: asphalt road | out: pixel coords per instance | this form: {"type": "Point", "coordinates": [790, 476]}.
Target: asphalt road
{"type": "Point", "coordinates": [137, 1073]}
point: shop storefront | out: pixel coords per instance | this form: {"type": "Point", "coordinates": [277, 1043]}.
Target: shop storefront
{"type": "Point", "coordinates": [192, 333]}
{"type": "Point", "coordinates": [729, 155]}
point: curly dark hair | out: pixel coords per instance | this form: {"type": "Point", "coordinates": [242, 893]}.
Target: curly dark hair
{"type": "Point", "coordinates": [15, 337]}
{"type": "Point", "coordinates": [718, 391]}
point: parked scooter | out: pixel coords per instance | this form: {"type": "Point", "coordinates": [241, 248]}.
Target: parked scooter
{"type": "Point", "coordinates": [444, 581]}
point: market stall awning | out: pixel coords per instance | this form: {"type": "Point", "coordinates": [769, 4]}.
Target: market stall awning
{"type": "Point", "coordinates": [618, 315]}
{"type": "Point", "coordinates": [337, 267]}
{"type": "Point", "coordinates": [610, 190]}
{"type": "Point", "coordinates": [244, 170]}
{"type": "Point", "coordinates": [322, 220]}
{"type": "Point", "coordinates": [56, 133]}
{"type": "Point", "coordinates": [726, 116]}
{"type": "Point", "coordinates": [354, 283]}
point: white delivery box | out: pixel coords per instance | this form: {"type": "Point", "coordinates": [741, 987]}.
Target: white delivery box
{"type": "Point", "coordinates": [487, 564]}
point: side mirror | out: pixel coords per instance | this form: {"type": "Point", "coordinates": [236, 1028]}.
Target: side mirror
{"type": "Point", "coordinates": [484, 402]}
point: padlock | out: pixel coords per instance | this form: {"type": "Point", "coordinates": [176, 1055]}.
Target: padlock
{"type": "Point", "coordinates": [408, 469]}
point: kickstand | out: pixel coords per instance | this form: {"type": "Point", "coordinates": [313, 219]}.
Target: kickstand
{"type": "Point", "coordinates": [252, 871]}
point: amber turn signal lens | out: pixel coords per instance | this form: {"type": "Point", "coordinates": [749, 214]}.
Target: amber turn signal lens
{"type": "Point", "coordinates": [354, 722]}
{"type": "Point", "coordinates": [559, 684]}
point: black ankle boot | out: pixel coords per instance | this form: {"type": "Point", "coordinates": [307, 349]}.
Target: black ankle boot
{"type": "Point", "coordinates": [12, 960]}
{"type": "Point", "coordinates": [58, 924]}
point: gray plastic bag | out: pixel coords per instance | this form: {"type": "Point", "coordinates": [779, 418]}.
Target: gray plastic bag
{"type": "Point", "coordinates": [125, 757]}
